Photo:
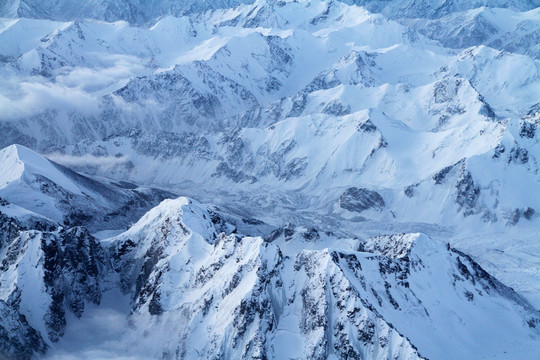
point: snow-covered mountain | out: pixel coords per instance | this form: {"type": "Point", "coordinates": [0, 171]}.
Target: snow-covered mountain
{"type": "Point", "coordinates": [290, 296]}
{"type": "Point", "coordinates": [195, 287]}
{"type": "Point", "coordinates": [146, 11]}
{"type": "Point", "coordinates": [58, 194]}
{"type": "Point", "coordinates": [363, 178]}
{"type": "Point", "coordinates": [44, 274]}
{"type": "Point", "coordinates": [109, 10]}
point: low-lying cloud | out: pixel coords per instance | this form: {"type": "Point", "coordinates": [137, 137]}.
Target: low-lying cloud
{"type": "Point", "coordinates": [78, 89]}
{"type": "Point", "coordinates": [88, 160]}
{"type": "Point", "coordinates": [35, 97]}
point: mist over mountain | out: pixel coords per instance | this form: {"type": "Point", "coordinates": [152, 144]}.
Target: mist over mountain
{"type": "Point", "coordinates": [270, 179]}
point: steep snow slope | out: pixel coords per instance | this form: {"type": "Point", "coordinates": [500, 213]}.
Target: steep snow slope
{"type": "Point", "coordinates": [58, 194]}
{"type": "Point", "coordinates": [185, 264]}
{"type": "Point", "coordinates": [198, 292]}
{"type": "Point", "coordinates": [46, 271]}
{"type": "Point", "coordinates": [195, 287]}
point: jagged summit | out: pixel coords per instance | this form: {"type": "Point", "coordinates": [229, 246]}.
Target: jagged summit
{"type": "Point", "coordinates": [184, 265]}
{"type": "Point", "coordinates": [181, 211]}
{"type": "Point", "coordinates": [13, 168]}
{"type": "Point", "coordinates": [376, 302]}
{"type": "Point", "coordinates": [398, 246]}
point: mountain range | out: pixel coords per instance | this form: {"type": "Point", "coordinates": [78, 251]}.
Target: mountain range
{"type": "Point", "coordinates": [270, 179]}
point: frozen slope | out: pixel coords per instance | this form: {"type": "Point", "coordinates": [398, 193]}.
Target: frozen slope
{"type": "Point", "coordinates": [47, 272]}
{"type": "Point", "coordinates": [40, 186]}
{"type": "Point", "coordinates": [198, 290]}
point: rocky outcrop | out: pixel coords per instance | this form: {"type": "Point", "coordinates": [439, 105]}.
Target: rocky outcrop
{"type": "Point", "coordinates": [359, 199]}
{"type": "Point", "coordinates": [18, 340]}
{"type": "Point", "coordinates": [45, 275]}
{"type": "Point", "coordinates": [335, 302]}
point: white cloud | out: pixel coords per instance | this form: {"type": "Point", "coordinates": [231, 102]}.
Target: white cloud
{"type": "Point", "coordinates": [33, 97]}
{"type": "Point", "coordinates": [76, 89]}
{"type": "Point", "coordinates": [112, 73]}
{"type": "Point", "coordinates": [88, 160]}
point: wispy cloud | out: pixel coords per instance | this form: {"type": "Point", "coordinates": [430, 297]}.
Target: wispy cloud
{"type": "Point", "coordinates": [34, 97]}
{"type": "Point", "coordinates": [104, 162]}
{"type": "Point", "coordinates": [113, 72]}
{"type": "Point", "coordinates": [77, 89]}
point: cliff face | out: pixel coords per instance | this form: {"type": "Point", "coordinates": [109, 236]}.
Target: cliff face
{"type": "Point", "coordinates": [224, 294]}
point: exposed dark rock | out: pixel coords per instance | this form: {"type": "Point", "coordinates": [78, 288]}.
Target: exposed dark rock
{"type": "Point", "coordinates": [253, 221]}
{"type": "Point", "coordinates": [288, 231]}
{"type": "Point", "coordinates": [518, 155]}
{"type": "Point", "coordinates": [527, 130]}
{"type": "Point", "coordinates": [336, 108]}
{"type": "Point", "coordinates": [294, 168]}
{"type": "Point", "coordinates": [9, 230]}
{"type": "Point", "coordinates": [359, 199]}
{"type": "Point", "coordinates": [367, 126]}
{"type": "Point", "coordinates": [299, 102]}
{"type": "Point", "coordinates": [409, 190]}
{"type": "Point", "coordinates": [18, 340]}
{"type": "Point", "coordinates": [499, 150]}
{"type": "Point", "coordinates": [311, 234]}
{"type": "Point", "coordinates": [324, 81]}
{"type": "Point", "coordinates": [73, 265]}
{"type": "Point", "coordinates": [528, 213]}
{"type": "Point", "coordinates": [223, 169]}
{"type": "Point", "coordinates": [487, 110]}
{"type": "Point", "coordinates": [467, 194]}
{"type": "Point", "coordinates": [514, 217]}
{"type": "Point", "coordinates": [441, 175]}
{"type": "Point", "coordinates": [147, 289]}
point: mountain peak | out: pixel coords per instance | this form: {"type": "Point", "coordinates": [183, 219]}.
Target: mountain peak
{"type": "Point", "coordinates": [33, 182]}
{"type": "Point", "coordinates": [181, 214]}
{"type": "Point", "coordinates": [20, 163]}
{"type": "Point", "coordinates": [11, 164]}
{"type": "Point", "coordinates": [24, 154]}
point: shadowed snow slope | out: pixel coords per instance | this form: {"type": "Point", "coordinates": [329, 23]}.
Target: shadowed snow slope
{"type": "Point", "coordinates": [50, 190]}
{"type": "Point", "coordinates": [198, 290]}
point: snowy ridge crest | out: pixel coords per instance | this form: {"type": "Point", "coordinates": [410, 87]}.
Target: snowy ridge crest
{"type": "Point", "coordinates": [184, 267]}
{"type": "Point", "coordinates": [259, 295]}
